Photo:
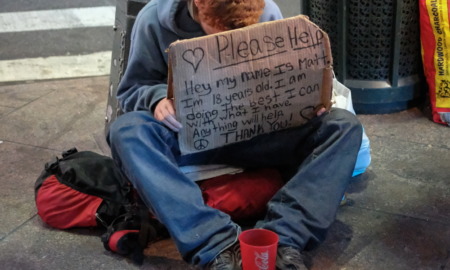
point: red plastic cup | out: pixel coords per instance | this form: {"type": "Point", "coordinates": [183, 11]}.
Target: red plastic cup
{"type": "Point", "coordinates": [258, 249]}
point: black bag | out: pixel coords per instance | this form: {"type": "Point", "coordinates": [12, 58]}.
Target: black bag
{"type": "Point", "coordinates": [86, 189]}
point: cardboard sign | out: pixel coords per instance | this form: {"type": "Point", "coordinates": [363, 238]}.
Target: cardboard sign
{"type": "Point", "coordinates": [235, 85]}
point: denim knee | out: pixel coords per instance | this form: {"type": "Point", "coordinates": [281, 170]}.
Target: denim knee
{"type": "Point", "coordinates": [346, 117]}
{"type": "Point", "coordinates": [347, 121]}
{"type": "Point", "coordinates": [363, 159]}
{"type": "Point", "coordinates": [129, 119]}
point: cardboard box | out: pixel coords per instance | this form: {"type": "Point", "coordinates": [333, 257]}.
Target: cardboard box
{"type": "Point", "coordinates": [232, 86]}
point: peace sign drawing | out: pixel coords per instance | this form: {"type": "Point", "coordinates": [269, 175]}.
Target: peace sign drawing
{"type": "Point", "coordinates": [194, 57]}
{"type": "Point", "coordinates": [201, 144]}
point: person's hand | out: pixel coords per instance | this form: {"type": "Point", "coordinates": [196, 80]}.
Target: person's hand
{"type": "Point", "coordinates": [165, 112]}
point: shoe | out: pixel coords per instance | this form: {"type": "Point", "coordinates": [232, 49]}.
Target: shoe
{"type": "Point", "coordinates": [289, 258]}
{"type": "Point", "coordinates": [229, 259]}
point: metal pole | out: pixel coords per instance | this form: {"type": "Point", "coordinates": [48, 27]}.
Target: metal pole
{"type": "Point", "coordinates": [398, 5]}
{"type": "Point", "coordinates": [342, 37]}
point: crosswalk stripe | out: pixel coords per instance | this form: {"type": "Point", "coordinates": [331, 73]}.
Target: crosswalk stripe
{"type": "Point", "coordinates": [55, 67]}
{"type": "Point", "coordinates": [56, 19]}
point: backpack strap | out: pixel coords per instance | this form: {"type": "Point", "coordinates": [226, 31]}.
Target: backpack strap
{"type": "Point", "coordinates": [69, 152]}
{"type": "Point", "coordinates": [130, 233]}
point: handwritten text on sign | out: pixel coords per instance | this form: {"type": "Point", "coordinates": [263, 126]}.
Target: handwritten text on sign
{"type": "Point", "coordinates": [235, 85]}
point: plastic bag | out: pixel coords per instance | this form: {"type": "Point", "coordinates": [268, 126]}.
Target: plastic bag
{"type": "Point", "coordinates": [435, 41]}
{"type": "Point", "coordinates": [342, 98]}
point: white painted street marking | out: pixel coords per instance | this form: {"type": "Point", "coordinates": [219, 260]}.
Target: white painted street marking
{"type": "Point", "coordinates": [57, 19]}
{"type": "Point", "coordinates": [55, 67]}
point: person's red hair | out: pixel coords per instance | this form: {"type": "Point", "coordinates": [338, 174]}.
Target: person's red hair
{"type": "Point", "coordinates": [229, 14]}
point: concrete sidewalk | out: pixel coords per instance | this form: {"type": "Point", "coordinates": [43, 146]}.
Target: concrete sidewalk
{"type": "Point", "coordinates": [397, 217]}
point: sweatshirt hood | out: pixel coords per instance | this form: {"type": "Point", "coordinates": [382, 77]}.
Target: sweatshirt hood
{"type": "Point", "coordinates": [174, 16]}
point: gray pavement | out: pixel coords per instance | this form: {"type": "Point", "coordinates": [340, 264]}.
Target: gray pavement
{"type": "Point", "coordinates": [397, 217]}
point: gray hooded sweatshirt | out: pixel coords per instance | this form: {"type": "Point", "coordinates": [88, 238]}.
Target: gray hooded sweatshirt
{"type": "Point", "coordinates": [157, 25]}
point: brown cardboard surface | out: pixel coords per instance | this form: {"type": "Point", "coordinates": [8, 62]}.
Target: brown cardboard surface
{"type": "Point", "coordinates": [235, 85]}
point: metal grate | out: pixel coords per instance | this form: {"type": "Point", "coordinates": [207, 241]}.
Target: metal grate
{"type": "Point", "coordinates": [370, 31]}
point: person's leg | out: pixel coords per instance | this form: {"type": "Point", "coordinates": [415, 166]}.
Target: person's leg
{"type": "Point", "coordinates": [323, 151]}
{"type": "Point", "coordinates": [321, 155]}
{"type": "Point", "coordinates": [303, 210]}
{"type": "Point", "coordinates": [148, 154]}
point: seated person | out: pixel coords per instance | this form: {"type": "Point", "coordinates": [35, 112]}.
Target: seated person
{"type": "Point", "coordinates": [318, 157]}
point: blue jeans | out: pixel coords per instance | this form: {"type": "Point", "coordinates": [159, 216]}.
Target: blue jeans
{"type": "Point", "coordinates": [319, 158]}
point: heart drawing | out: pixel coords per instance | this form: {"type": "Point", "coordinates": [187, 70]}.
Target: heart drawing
{"type": "Point", "coordinates": [194, 57]}
{"type": "Point", "coordinates": [309, 112]}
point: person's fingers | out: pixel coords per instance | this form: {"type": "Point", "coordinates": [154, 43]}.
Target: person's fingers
{"type": "Point", "coordinates": [170, 107]}
{"type": "Point", "coordinates": [170, 126]}
{"type": "Point", "coordinates": [173, 123]}
{"type": "Point", "coordinates": [321, 111]}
